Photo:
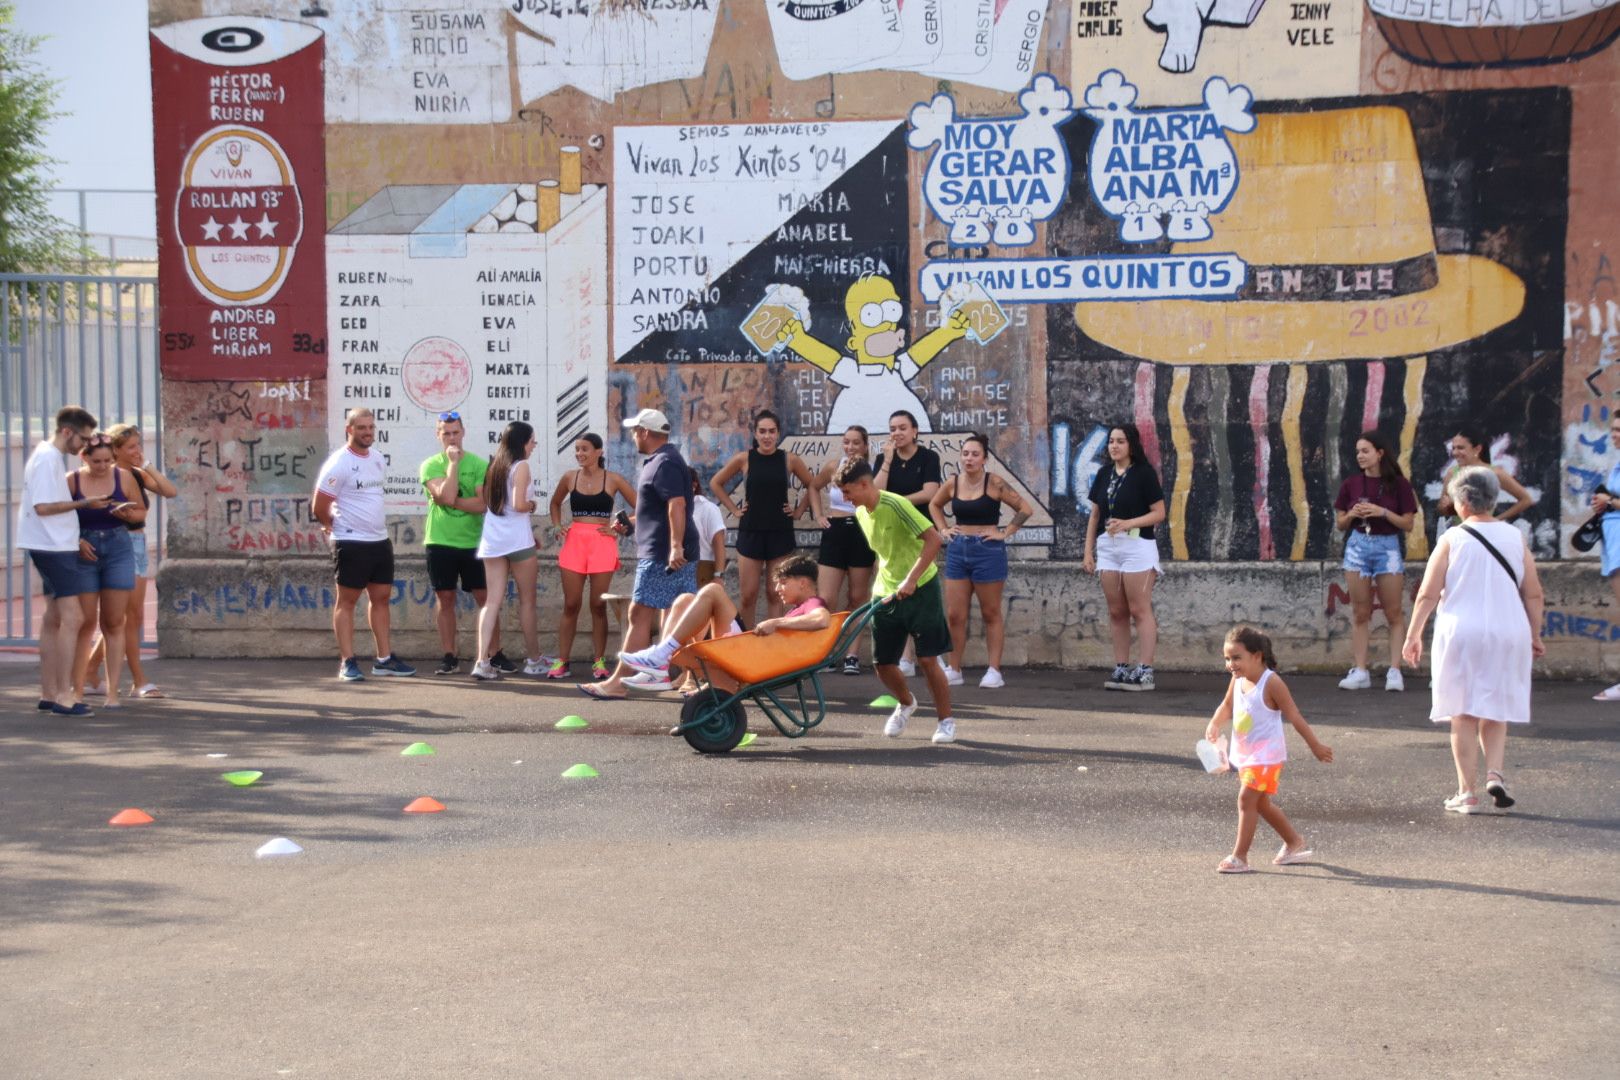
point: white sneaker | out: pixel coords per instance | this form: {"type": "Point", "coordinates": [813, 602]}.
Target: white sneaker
{"type": "Point", "coordinates": [907, 668]}
{"type": "Point", "coordinates": [485, 670]}
{"type": "Point", "coordinates": [992, 680]}
{"type": "Point", "coordinates": [953, 676]}
{"type": "Point", "coordinates": [1358, 679]}
{"type": "Point", "coordinates": [536, 666]}
{"type": "Point", "coordinates": [646, 680]}
{"type": "Point", "coordinates": [946, 731]}
{"type": "Point", "coordinates": [1393, 680]}
{"type": "Point", "coordinates": [897, 719]}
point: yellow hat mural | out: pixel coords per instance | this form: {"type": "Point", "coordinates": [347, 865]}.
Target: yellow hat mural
{"type": "Point", "coordinates": [1332, 218]}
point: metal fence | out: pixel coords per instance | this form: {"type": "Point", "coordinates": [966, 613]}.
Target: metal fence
{"type": "Point", "coordinates": [80, 339]}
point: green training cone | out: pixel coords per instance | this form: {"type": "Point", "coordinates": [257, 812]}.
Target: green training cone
{"type": "Point", "coordinates": [579, 772]}
{"type": "Point", "coordinates": [571, 723]}
{"type": "Point", "coordinates": [417, 749]}
{"type": "Point", "coordinates": [747, 740]}
{"type": "Point", "coordinates": [241, 779]}
{"type": "Point", "coordinates": [884, 701]}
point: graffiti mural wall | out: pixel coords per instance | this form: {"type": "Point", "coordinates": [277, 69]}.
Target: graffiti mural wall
{"type": "Point", "coordinates": [1254, 229]}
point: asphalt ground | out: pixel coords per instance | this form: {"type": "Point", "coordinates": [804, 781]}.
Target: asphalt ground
{"type": "Point", "coordinates": [1036, 900]}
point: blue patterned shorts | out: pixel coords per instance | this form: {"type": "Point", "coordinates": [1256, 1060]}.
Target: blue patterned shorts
{"type": "Point", "coordinates": [657, 588]}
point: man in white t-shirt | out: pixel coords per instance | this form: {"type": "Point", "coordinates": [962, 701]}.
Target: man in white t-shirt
{"type": "Point", "coordinates": [48, 529]}
{"type": "Point", "coordinates": [349, 505]}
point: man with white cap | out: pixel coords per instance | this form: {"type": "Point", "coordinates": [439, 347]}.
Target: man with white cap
{"type": "Point", "coordinates": [666, 541]}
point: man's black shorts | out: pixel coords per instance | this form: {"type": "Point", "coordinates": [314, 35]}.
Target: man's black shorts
{"type": "Point", "coordinates": [920, 617]}
{"type": "Point", "coordinates": [358, 563]}
{"type": "Point", "coordinates": [449, 565]}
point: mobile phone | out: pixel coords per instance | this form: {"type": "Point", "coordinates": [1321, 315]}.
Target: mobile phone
{"type": "Point", "coordinates": [621, 521]}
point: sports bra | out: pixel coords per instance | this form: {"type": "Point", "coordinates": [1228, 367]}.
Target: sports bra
{"type": "Point", "coordinates": [140, 485]}
{"type": "Point", "coordinates": [984, 510]}
{"type": "Point", "coordinates": [597, 505]}
{"type": "Point", "coordinates": [93, 520]}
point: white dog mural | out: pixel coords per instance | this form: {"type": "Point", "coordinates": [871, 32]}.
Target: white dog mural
{"type": "Point", "coordinates": [1182, 23]}
{"type": "Point", "coordinates": [1163, 172]}
{"type": "Point", "coordinates": [994, 177]}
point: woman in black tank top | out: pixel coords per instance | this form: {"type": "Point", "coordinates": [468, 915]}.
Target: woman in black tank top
{"type": "Point", "coordinates": [590, 549]}
{"type": "Point", "coordinates": [976, 560]}
{"type": "Point", "coordinates": [765, 520]}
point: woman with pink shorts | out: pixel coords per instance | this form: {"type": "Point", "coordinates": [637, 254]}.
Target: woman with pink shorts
{"type": "Point", "coordinates": [590, 551]}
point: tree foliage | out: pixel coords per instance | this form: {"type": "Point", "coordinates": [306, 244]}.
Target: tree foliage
{"type": "Point", "coordinates": [32, 238]}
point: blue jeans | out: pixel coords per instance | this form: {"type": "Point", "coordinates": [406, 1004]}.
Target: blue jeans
{"type": "Point", "coordinates": [1370, 554]}
{"type": "Point", "coordinates": [114, 567]}
{"type": "Point", "coordinates": [979, 559]}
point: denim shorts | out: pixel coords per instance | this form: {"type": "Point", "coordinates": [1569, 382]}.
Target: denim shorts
{"type": "Point", "coordinates": [114, 567]}
{"type": "Point", "coordinates": [62, 574]}
{"type": "Point", "coordinates": [657, 588]}
{"type": "Point", "coordinates": [1370, 554]}
{"type": "Point", "coordinates": [979, 559]}
{"type": "Point", "coordinates": [143, 563]}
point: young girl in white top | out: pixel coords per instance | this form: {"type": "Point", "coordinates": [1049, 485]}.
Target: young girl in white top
{"type": "Point", "coordinates": [1256, 703]}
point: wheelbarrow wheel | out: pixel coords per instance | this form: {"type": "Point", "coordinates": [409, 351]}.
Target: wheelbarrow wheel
{"type": "Point", "coordinates": [714, 730]}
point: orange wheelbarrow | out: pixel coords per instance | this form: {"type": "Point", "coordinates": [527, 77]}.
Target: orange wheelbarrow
{"type": "Point", "coordinates": [780, 673]}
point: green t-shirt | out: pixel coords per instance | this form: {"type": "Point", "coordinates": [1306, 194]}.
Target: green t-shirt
{"type": "Point", "coordinates": [447, 527]}
{"type": "Point", "coordinates": [894, 530]}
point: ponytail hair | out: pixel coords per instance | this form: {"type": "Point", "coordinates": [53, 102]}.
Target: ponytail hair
{"type": "Point", "coordinates": [1253, 641]}
{"type": "Point", "coordinates": [1477, 436]}
{"type": "Point", "coordinates": [513, 447]}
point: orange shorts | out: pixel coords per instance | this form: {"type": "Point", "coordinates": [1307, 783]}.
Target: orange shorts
{"type": "Point", "coordinates": [1262, 778]}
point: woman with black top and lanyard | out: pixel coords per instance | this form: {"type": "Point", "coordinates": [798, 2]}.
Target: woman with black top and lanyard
{"type": "Point", "coordinates": [1126, 503]}
{"type": "Point", "coordinates": [907, 468]}
{"type": "Point", "coordinates": [1375, 507]}
{"type": "Point", "coordinates": [976, 560]}
{"type": "Point", "coordinates": [590, 550]}
{"type": "Point", "coordinates": [765, 519]}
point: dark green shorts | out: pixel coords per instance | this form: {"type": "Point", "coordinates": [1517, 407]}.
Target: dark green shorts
{"type": "Point", "coordinates": [920, 616]}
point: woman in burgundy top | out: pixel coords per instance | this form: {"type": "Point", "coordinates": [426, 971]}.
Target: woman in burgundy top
{"type": "Point", "coordinates": [1376, 507]}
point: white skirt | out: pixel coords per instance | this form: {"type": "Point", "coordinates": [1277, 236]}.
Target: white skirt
{"type": "Point", "coordinates": [1480, 670]}
{"type": "Point", "coordinates": [1126, 554]}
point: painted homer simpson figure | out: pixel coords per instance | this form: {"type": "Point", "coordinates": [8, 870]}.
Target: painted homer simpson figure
{"type": "Point", "coordinates": [875, 379]}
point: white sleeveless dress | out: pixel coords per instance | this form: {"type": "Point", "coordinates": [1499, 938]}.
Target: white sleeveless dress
{"type": "Point", "coordinates": [1480, 663]}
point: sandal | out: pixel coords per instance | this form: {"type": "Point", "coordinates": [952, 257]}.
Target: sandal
{"type": "Point", "coordinates": [1290, 858]}
{"type": "Point", "coordinates": [150, 690]}
{"type": "Point", "coordinates": [1496, 788]}
{"type": "Point", "coordinates": [590, 691]}
{"type": "Point", "coordinates": [1233, 865]}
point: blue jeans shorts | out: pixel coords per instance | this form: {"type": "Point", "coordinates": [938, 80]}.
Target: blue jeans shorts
{"type": "Point", "coordinates": [979, 559]}
{"type": "Point", "coordinates": [62, 574]}
{"type": "Point", "coordinates": [657, 588]}
{"type": "Point", "coordinates": [143, 563]}
{"type": "Point", "coordinates": [1371, 555]}
{"type": "Point", "coordinates": [114, 567]}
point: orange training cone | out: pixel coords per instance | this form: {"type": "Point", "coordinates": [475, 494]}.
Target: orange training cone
{"type": "Point", "coordinates": [424, 805]}
{"type": "Point", "coordinates": [130, 816]}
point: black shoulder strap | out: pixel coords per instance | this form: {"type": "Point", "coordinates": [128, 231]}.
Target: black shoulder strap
{"type": "Point", "coordinates": [1471, 531]}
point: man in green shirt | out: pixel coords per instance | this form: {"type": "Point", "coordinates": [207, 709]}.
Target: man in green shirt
{"type": "Point", "coordinates": [906, 544]}
{"type": "Point", "coordinates": [455, 522]}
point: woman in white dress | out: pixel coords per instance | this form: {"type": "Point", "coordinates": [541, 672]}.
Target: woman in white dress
{"type": "Point", "coordinates": [1487, 630]}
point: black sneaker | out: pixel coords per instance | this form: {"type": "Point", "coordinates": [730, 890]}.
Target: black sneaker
{"type": "Point", "coordinates": [448, 666]}
{"type": "Point", "coordinates": [1120, 679]}
{"type": "Point", "coordinates": [852, 665]}
{"type": "Point", "coordinates": [500, 663]}
{"type": "Point", "coordinates": [1140, 678]}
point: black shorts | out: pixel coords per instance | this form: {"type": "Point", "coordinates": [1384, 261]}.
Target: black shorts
{"type": "Point", "coordinates": [448, 565]}
{"type": "Point", "coordinates": [844, 546]}
{"type": "Point", "coordinates": [765, 546]}
{"type": "Point", "coordinates": [920, 616]}
{"type": "Point", "coordinates": [358, 563]}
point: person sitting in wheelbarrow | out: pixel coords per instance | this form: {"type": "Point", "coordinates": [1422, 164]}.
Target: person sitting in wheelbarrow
{"type": "Point", "coordinates": [710, 610]}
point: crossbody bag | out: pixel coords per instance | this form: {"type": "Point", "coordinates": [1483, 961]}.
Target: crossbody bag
{"type": "Point", "coordinates": [1490, 547]}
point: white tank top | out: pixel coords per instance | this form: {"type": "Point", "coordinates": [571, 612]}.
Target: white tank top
{"type": "Point", "coordinates": [506, 532]}
{"type": "Point", "coordinates": [836, 503]}
{"type": "Point", "coordinates": [1257, 729]}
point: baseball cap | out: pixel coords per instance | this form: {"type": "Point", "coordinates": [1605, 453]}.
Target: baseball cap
{"type": "Point", "coordinates": [649, 420]}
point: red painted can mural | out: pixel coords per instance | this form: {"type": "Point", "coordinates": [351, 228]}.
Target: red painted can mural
{"type": "Point", "coordinates": [241, 271]}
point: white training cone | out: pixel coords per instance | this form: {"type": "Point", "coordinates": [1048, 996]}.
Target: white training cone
{"type": "Point", "coordinates": [279, 846]}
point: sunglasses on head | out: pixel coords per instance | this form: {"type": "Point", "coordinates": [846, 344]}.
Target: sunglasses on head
{"type": "Point", "coordinates": [447, 416]}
